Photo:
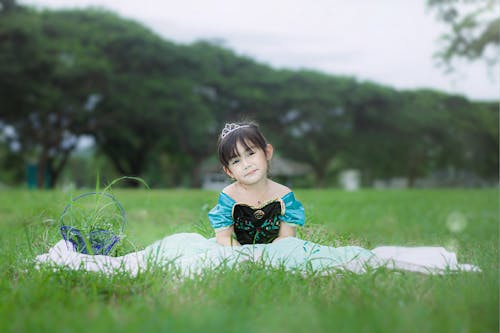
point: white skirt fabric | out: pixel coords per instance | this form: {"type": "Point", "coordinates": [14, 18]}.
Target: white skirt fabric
{"type": "Point", "coordinates": [192, 254]}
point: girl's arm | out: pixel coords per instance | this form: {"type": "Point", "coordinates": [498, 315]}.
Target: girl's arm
{"type": "Point", "coordinates": [225, 237]}
{"type": "Point", "coordinates": [286, 231]}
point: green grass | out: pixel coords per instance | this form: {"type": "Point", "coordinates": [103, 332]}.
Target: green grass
{"type": "Point", "coordinates": [253, 299]}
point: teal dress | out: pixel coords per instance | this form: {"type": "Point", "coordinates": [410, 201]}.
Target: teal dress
{"type": "Point", "coordinates": [256, 225]}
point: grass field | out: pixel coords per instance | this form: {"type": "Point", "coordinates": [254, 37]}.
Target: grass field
{"type": "Point", "coordinates": [254, 299]}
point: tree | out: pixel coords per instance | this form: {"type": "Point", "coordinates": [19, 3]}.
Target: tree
{"type": "Point", "coordinates": [230, 84]}
{"type": "Point", "coordinates": [8, 5]}
{"type": "Point", "coordinates": [48, 76]}
{"type": "Point", "coordinates": [377, 136]}
{"type": "Point", "coordinates": [474, 30]}
{"type": "Point", "coordinates": [146, 101]}
{"type": "Point", "coordinates": [424, 126]}
{"type": "Point", "coordinates": [414, 133]}
{"type": "Point", "coordinates": [474, 127]}
{"type": "Point", "coordinates": [311, 120]}
{"type": "Point", "coordinates": [152, 104]}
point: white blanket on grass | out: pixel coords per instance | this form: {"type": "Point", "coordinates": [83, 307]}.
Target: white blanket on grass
{"type": "Point", "coordinates": [191, 253]}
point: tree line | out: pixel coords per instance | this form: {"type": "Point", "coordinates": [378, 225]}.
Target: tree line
{"type": "Point", "coordinates": [146, 100]}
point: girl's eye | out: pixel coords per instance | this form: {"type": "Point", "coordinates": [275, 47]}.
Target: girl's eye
{"type": "Point", "coordinates": [234, 162]}
{"type": "Point", "coordinates": [251, 152]}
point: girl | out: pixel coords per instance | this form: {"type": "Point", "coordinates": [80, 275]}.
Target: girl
{"type": "Point", "coordinates": [253, 209]}
{"type": "Point", "coordinates": [257, 211]}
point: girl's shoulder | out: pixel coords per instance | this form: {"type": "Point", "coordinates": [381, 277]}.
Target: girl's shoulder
{"type": "Point", "coordinates": [278, 189]}
{"type": "Point", "coordinates": [229, 190]}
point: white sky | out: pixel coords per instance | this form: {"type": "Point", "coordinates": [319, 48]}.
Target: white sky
{"type": "Point", "coordinates": [390, 42]}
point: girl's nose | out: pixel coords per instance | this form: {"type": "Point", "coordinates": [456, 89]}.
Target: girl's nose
{"type": "Point", "coordinates": [245, 162]}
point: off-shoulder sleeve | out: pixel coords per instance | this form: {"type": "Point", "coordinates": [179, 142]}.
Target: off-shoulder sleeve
{"type": "Point", "coordinates": [221, 215]}
{"type": "Point", "coordinates": [294, 211]}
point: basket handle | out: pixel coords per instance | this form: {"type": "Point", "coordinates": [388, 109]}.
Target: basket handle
{"type": "Point", "coordinates": [120, 207]}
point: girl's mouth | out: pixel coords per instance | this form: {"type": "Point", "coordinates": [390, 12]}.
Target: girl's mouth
{"type": "Point", "coordinates": [251, 172]}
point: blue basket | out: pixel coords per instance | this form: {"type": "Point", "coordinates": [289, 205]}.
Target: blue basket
{"type": "Point", "coordinates": [101, 241]}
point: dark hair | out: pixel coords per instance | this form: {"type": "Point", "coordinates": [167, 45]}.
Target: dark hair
{"type": "Point", "coordinates": [249, 135]}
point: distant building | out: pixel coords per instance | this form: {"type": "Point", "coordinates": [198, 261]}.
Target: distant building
{"type": "Point", "coordinates": [214, 181]}
{"type": "Point", "coordinates": [438, 178]}
{"type": "Point", "coordinates": [283, 167]}
{"type": "Point", "coordinates": [350, 179]}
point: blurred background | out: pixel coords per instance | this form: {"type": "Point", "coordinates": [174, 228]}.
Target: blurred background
{"type": "Point", "coordinates": [386, 94]}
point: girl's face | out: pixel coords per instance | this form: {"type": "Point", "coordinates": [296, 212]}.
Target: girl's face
{"type": "Point", "coordinates": [250, 165]}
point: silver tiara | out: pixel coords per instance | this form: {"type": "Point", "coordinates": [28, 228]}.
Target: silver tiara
{"type": "Point", "coordinates": [229, 128]}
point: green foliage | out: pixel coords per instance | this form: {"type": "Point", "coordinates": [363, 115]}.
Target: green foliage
{"type": "Point", "coordinates": [155, 108]}
{"type": "Point", "coordinates": [47, 75]}
{"type": "Point", "coordinates": [474, 30]}
{"type": "Point", "coordinates": [315, 124]}
{"type": "Point", "coordinates": [202, 225]}
{"type": "Point", "coordinates": [11, 166]}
